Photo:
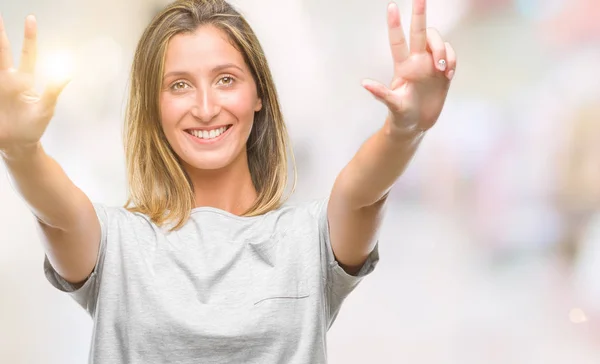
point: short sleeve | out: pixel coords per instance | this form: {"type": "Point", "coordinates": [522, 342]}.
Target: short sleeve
{"type": "Point", "coordinates": [86, 294]}
{"type": "Point", "coordinates": [338, 283]}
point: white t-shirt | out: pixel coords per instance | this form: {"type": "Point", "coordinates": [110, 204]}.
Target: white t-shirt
{"type": "Point", "coordinates": [222, 289]}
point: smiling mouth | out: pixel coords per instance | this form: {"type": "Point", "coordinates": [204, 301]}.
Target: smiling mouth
{"type": "Point", "coordinates": [208, 134]}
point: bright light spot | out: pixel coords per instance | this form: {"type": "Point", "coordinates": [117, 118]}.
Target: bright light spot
{"type": "Point", "coordinates": [58, 66]}
{"type": "Point", "coordinates": [577, 316]}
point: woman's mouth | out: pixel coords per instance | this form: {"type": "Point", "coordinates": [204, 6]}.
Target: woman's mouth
{"type": "Point", "coordinates": [209, 135]}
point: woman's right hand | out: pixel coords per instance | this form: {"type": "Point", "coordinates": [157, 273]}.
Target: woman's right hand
{"type": "Point", "coordinates": [24, 113]}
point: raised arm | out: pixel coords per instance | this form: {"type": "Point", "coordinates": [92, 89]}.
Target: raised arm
{"type": "Point", "coordinates": [69, 225]}
{"type": "Point", "coordinates": [422, 75]}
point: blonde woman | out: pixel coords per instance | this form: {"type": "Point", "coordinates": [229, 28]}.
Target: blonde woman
{"type": "Point", "coordinates": [205, 264]}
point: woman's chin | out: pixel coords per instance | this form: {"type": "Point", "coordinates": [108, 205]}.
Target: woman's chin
{"type": "Point", "coordinates": [208, 163]}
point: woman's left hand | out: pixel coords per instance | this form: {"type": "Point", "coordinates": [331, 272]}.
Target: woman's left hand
{"type": "Point", "coordinates": [422, 74]}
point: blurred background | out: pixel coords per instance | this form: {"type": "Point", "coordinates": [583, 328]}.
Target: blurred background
{"type": "Point", "coordinates": [490, 252]}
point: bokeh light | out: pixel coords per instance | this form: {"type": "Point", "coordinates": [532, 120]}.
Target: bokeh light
{"type": "Point", "coordinates": [58, 66]}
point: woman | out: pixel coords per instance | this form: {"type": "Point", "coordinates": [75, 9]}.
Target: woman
{"type": "Point", "coordinates": [204, 263]}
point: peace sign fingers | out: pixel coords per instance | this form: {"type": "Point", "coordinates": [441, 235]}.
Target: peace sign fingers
{"type": "Point", "coordinates": [398, 44]}
{"type": "Point", "coordinates": [418, 27]}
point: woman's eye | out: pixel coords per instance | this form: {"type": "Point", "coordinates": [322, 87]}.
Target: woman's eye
{"type": "Point", "coordinates": [226, 81]}
{"type": "Point", "coordinates": [180, 85]}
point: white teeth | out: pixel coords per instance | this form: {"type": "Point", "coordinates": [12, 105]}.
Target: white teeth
{"type": "Point", "coordinates": [204, 134]}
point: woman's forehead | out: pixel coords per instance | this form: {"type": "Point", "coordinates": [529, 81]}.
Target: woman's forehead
{"type": "Point", "coordinates": [206, 47]}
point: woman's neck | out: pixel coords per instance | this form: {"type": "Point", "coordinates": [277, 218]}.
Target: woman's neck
{"type": "Point", "coordinates": [229, 189]}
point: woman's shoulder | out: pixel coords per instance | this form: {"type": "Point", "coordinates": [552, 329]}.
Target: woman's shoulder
{"type": "Point", "coordinates": [299, 214]}
{"type": "Point", "coordinates": [309, 208]}
{"type": "Point", "coordinates": [119, 215]}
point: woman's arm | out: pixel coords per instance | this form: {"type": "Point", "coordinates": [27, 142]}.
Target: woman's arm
{"type": "Point", "coordinates": [359, 194]}
{"type": "Point", "coordinates": [415, 99]}
{"type": "Point", "coordinates": [69, 225]}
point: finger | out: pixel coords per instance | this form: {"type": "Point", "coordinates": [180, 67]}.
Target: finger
{"type": "Point", "coordinates": [29, 52]}
{"type": "Point", "coordinates": [398, 44]}
{"type": "Point", "coordinates": [51, 93]}
{"type": "Point", "coordinates": [418, 26]}
{"type": "Point", "coordinates": [383, 94]}
{"type": "Point", "coordinates": [5, 56]}
{"type": "Point", "coordinates": [451, 59]}
{"type": "Point", "coordinates": [437, 47]}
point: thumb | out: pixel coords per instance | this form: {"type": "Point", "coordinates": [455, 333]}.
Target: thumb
{"type": "Point", "coordinates": [383, 94]}
{"type": "Point", "coordinates": [51, 93]}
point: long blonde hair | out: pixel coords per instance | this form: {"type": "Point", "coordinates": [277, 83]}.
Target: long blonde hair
{"type": "Point", "coordinates": [159, 187]}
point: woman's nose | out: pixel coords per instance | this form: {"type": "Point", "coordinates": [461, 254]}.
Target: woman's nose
{"type": "Point", "coordinates": [206, 106]}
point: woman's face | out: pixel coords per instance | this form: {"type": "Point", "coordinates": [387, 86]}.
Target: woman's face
{"type": "Point", "coordinates": [208, 99]}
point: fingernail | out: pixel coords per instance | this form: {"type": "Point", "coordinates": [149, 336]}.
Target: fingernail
{"type": "Point", "coordinates": [442, 65]}
{"type": "Point", "coordinates": [450, 74]}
